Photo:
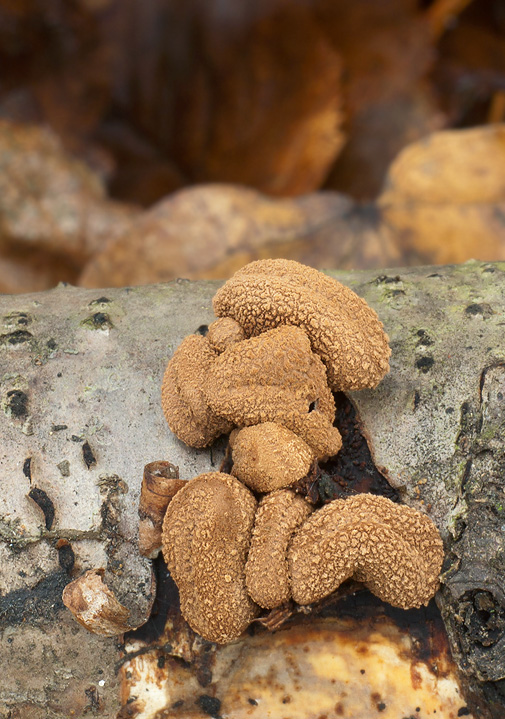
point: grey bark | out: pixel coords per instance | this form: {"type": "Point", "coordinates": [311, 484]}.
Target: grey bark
{"type": "Point", "coordinates": [80, 390]}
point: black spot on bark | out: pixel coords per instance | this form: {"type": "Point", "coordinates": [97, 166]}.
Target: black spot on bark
{"type": "Point", "coordinates": [66, 556]}
{"type": "Point", "coordinates": [58, 427]}
{"type": "Point", "coordinates": [385, 279]}
{"type": "Point", "coordinates": [425, 364]}
{"type": "Point", "coordinates": [27, 468]}
{"type": "Point", "coordinates": [424, 338]}
{"type": "Point", "coordinates": [51, 344]}
{"type": "Point", "coordinates": [16, 338]}
{"type": "Point", "coordinates": [99, 321]}
{"type": "Point", "coordinates": [88, 456]}
{"type": "Point", "coordinates": [483, 309]}
{"type": "Point", "coordinates": [417, 399]}
{"type": "Point", "coordinates": [42, 500]}
{"type": "Point", "coordinates": [209, 705]}
{"type": "Point", "coordinates": [17, 402]}
{"type": "Point", "coordinates": [100, 301]}
{"type": "Point", "coordinates": [41, 603]}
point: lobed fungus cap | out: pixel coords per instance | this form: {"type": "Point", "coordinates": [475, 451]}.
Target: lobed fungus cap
{"type": "Point", "coordinates": [224, 332]}
{"type": "Point", "coordinates": [183, 400]}
{"type": "Point", "coordinates": [206, 535]}
{"type": "Point", "coordinates": [276, 377]}
{"type": "Point", "coordinates": [279, 514]}
{"type": "Point", "coordinates": [395, 550]}
{"type": "Point", "coordinates": [268, 456]}
{"type": "Point", "coordinates": [343, 330]}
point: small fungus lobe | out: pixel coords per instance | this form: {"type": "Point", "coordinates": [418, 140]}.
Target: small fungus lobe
{"type": "Point", "coordinates": [268, 456]}
{"type": "Point", "coordinates": [183, 399]}
{"type": "Point", "coordinates": [225, 332]}
{"type": "Point", "coordinates": [393, 549]}
{"type": "Point", "coordinates": [211, 518]}
{"type": "Point", "coordinates": [279, 514]}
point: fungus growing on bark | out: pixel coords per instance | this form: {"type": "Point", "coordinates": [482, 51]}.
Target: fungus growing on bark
{"type": "Point", "coordinates": [224, 332]}
{"type": "Point", "coordinates": [206, 535]}
{"type": "Point", "coordinates": [394, 550]}
{"type": "Point", "coordinates": [343, 330]}
{"type": "Point", "coordinates": [268, 456]}
{"type": "Point", "coordinates": [183, 400]}
{"type": "Point", "coordinates": [279, 514]}
{"type": "Point", "coordinates": [275, 377]}
{"type": "Point", "coordinates": [95, 606]}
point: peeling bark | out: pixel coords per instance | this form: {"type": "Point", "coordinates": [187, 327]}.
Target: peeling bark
{"type": "Point", "coordinates": [80, 398]}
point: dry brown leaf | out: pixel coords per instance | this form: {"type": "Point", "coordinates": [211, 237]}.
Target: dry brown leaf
{"type": "Point", "coordinates": [250, 95]}
{"type": "Point", "coordinates": [387, 52]}
{"type": "Point", "coordinates": [212, 230]}
{"type": "Point", "coordinates": [444, 198]}
{"type": "Point", "coordinates": [222, 91]}
{"type": "Point", "coordinates": [49, 203]}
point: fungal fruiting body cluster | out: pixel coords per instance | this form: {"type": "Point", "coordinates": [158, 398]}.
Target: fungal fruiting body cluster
{"type": "Point", "coordinates": [285, 338]}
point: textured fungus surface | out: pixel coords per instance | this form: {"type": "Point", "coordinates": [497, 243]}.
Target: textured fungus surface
{"type": "Point", "coordinates": [268, 456]}
{"type": "Point", "coordinates": [184, 402]}
{"type": "Point", "coordinates": [279, 514]}
{"type": "Point", "coordinates": [224, 332]}
{"type": "Point", "coordinates": [343, 329]}
{"type": "Point", "coordinates": [206, 535]}
{"type": "Point", "coordinates": [395, 550]}
{"type": "Point", "coordinates": [275, 377]}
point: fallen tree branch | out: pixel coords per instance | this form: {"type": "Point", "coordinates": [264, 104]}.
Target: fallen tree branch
{"type": "Point", "coordinates": [80, 388]}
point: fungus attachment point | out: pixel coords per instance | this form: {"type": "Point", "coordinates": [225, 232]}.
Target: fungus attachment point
{"type": "Point", "coordinates": [394, 550]}
{"type": "Point", "coordinates": [206, 535]}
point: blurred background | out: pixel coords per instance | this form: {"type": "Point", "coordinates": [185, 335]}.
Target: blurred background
{"type": "Point", "coordinates": [143, 140]}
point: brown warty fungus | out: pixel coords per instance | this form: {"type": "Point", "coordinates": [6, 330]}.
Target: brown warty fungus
{"type": "Point", "coordinates": [267, 574]}
{"type": "Point", "coordinates": [224, 332]}
{"type": "Point", "coordinates": [268, 456]}
{"type": "Point", "coordinates": [95, 606]}
{"type": "Point", "coordinates": [206, 535]}
{"type": "Point", "coordinates": [286, 335]}
{"type": "Point", "coordinates": [394, 550]}
{"type": "Point", "coordinates": [343, 330]}
{"type": "Point", "coordinates": [183, 400]}
{"type": "Point", "coordinates": [275, 377]}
